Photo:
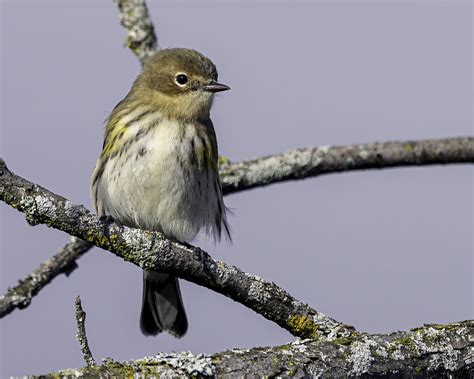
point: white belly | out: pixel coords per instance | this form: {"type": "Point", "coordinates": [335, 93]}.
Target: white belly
{"type": "Point", "coordinates": [157, 184]}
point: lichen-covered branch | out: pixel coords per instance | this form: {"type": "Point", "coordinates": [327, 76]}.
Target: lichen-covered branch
{"type": "Point", "coordinates": [293, 165]}
{"type": "Point", "coordinates": [64, 261]}
{"type": "Point", "coordinates": [311, 162]}
{"type": "Point", "coordinates": [135, 19]}
{"type": "Point", "coordinates": [435, 351]}
{"type": "Point", "coordinates": [153, 251]}
{"type": "Point", "coordinates": [81, 333]}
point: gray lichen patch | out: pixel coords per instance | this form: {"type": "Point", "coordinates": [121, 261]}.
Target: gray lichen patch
{"type": "Point", "coordinates": [332, 329]}
{"type": "Point", "coordinates": [363, 152]}
{"type": "Point", "coordinates": [45, 206]}
{"type": "Point", "coordinates": [318, 155]}
{"type": "Point", "coordinates": [71, 210]}
{"type": "Point", "coordinates": [29, 209]}
{"type": "Point", "coordinates": [143, 249]}
{"type": "Point", "coordinates": [448, 357]}
{"type": "Point", "coordinates": [437, 342]}
{"type": "Point", "coordinates": [300, 345]}
{"type": "Point", "coordinates": [225, 272]}
{"type": "Point", "coordinates": [20, 300]}
{"type": "Point", "coordinates": [38, 208]}
{"type": "Point", "coordinates": [361, 356]}
{"type": "Point", "coordinates": [185, 363]}
{"type": "Point", "coordinates": [258, 289]}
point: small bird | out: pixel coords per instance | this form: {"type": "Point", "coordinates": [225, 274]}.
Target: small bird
{"type": "Point", "coordinates": [158, 169]}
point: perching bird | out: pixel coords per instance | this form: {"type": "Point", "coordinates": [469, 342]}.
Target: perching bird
{"type": "Point", "coordinates": [158, 169]}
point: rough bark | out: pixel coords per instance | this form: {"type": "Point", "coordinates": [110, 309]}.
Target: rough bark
{"type": "Point", "coordinates": [141, 38]}
{"type": "Point", "coordinates": [293, 165]}
{"type": "Point", "coordinates": [153, 251]}
{"type": "Point", "coordinates": [434, 351]}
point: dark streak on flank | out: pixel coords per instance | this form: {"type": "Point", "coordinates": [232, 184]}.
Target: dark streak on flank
{"type": "Point", "coordinates": [192, 151]}
{"type": "Point", "coordinates": [140, 153]}
{"type": "Point", "coordinates": [217, 221]}
{"type": "Point", "coordinates": [219, 208]}
{"type": "Point", "coordinates": [205, 154]}
{"type": "Point", "coordinates": [139, 134]}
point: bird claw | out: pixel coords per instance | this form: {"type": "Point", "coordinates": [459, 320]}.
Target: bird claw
{"type": "Point", "coordinates": [106, 220]}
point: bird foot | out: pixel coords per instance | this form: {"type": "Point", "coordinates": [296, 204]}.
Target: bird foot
{"type": "Point", "coordinates": [106, 221]}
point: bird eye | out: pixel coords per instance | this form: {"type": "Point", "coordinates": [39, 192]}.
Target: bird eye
{"type": "Point", "coordinates": [181, 79]}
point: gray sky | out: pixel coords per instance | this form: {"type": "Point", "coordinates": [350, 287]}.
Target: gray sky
{"type": "Point", "coordinates": [381, 250]}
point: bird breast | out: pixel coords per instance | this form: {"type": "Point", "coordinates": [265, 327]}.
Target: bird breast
{"type": "Point", "coordinates": [163, 179]}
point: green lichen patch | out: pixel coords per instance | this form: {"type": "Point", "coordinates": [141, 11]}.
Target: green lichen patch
{"type": "Point", "coordinates": [408, 147]}
{"type": "Point", "coordinates": [303, 326]}
{"type": "Point", "coordinates": [346, 340]}
{"type": "Point", "coordinates": [223, 161]}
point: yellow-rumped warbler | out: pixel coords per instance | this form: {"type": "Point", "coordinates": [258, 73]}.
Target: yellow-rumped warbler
{"type": "Point", "coordinates": [158, 169]}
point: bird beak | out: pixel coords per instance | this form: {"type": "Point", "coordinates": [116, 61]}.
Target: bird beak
{"type": "Point", "coordinates": [215, 87]}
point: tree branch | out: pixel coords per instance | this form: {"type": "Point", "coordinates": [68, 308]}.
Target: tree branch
{"type": "Point", "coordinates": [306, 163]}
{"type": "Point", "coordinates": [81, 333]}
{"type": "Point", "coordinates": [64, 261]}
{"type": "Point", "coordinates": [293, 165]}
{"type": "Point", "coordinates": [135, 19]}
{"type": "Point", "coordinates": [435, 351]}
{"type": "Point", "coordinates": [153, 251]}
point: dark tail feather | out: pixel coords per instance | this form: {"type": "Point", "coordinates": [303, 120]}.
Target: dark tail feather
{"type": "Point", "coordinates": [162, 307]}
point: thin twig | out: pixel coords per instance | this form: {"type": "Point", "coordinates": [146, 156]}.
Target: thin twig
{"type": "Point", "coordinates": [81, 333]}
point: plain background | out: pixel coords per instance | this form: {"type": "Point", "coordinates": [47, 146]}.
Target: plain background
{"type": "Point", "coordinates": [381, 250]}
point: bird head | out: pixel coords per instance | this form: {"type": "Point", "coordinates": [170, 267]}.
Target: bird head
{"type": "Point", "coordinates": [180, 83]}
